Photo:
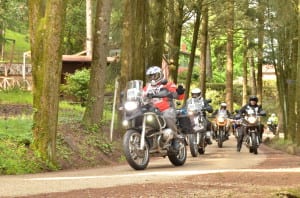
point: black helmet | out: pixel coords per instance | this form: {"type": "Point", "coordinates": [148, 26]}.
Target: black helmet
{"type": "Point", "coordinates": [253, 98]}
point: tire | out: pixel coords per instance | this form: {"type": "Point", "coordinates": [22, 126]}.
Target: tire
{"type": "Point", "coordinates": [255, 143]}
{"type": "Point", "coordinates": [178, 158]}
{"type": "Point", "coordinates": [220, 139]}
{"type": "Point", "coordinates": [138, 159]}
{"type": "Point", "coordinates": [201, 151]}
{"type": "Point", "coordinates": [193, 144]}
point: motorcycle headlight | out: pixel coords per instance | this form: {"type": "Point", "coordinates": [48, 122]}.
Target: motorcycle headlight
{"type": "Point", "coordinates": [130, 105]}
{"type": "Point", "coordinates": [150, 118]}
{"type": "Point", "coordinates": [251, 120]}
{"type": "Point", "coordinates": [221, 119]}
{"type": "Point", "coordinates": [125, 123]}
{"type": "Point", "coordinates": [190, 113]}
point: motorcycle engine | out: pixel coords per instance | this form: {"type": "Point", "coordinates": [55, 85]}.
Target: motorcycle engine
{"type": "Point", "coordinates": [167, 134]}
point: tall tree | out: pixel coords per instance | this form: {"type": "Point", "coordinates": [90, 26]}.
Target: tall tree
{"type": "Point", "coordinates": [133, 59]}
{"type": "Point", "coordinates": [176, 14]}
{"type": "Point", "coordinates": [89, 30]}
{"type": "Point", "coordinates": [297, 132]}
{"type": "Point", "coordinates": [260, 49]}
{"type": "Point", "coordinates": [46, 27]}
{"type": "Point", "coordinates": [157, 29]}
{"type": "Point", "coordinates": [203, 48]}
{"type": "Point", "coordinates": [285, 34]}
{"type": "Point", "coordinates": [245, 71]}
{"type": "Point", "coordinates": [229, 54]}
{"type": "Point", "coordinates": [193, 49]}
{"type": "Point", "coordinates": [95, 102]}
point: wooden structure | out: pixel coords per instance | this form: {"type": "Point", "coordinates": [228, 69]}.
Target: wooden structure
{"type": "Point", "coordinates": [70, 63]}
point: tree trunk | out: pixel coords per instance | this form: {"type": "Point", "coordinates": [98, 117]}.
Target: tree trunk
{"type": "Point", "coordinates": [89, 42]}
{"type": "Point", "coordinates": [203, 47]}
{"type": "Point", "coordinates": [192, 55]}
{"type": "Point", "coordinates": [46, 22]}
{"type": "Point", "coordinates": [158, 29]}
{"type": "Point", "coordinates": [245, 72]}
{"type": "Point", "coordinates": [175, 29]}
{"type": "Point", "coordinates": [253, 76]}
{"type": "Point", "coordinates": [229, 55]}
{"type": "Point", "coordinates": [261, 21]}
{"type": "Point", "coordinates": [139, 41]}
{"type": "Point", "coordinates": [297, 131]}
{"type": "Point", "coordinates": [133, 59]}
{"type": "Point", "coordinates": [95, 102]}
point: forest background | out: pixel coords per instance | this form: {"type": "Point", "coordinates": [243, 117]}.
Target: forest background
{"type": "Point", "coordinates": [221, 45]}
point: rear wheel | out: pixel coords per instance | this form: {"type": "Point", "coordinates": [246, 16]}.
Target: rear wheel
{"type": "Point", "coordinates": [136, 157]}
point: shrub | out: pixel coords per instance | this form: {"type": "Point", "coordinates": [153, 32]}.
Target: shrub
{"type": "Point", "coordinates": [77, 85]}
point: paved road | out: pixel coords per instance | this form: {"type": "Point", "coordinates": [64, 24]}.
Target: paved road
{"type": "Point", "coordinates": [159, 169]}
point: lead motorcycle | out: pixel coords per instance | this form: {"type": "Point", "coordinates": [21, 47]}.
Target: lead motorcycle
{"type": "Point", "coordinates": [146, 131]}
{"type": "Point", "coordinates": [251, 122]}
{"type": "Point", "coordinates": [197, 140]}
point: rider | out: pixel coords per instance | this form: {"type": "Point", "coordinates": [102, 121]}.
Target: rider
{"type": "Point", "coordinates": [197, 98]}
{"type": "Point", "coordinates": [156, 82]}
{"type": "Point", "coordinates": [251, 105]}
{"type": "Point", "coordinates": [223, 110]}
{"type": "Point", "coordinates": [273, 120]}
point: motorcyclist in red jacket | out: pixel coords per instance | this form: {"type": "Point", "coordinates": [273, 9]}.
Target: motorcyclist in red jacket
{"type": "Point", "coordinates": [155, 83]}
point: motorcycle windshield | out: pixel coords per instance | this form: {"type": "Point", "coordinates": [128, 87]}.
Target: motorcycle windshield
{"type": "Point", "coordinates": [134, 90]}
{"type": "Point", "coordinates": [222, 114]}
{"type": "Point", "coordinates": [194, 105]}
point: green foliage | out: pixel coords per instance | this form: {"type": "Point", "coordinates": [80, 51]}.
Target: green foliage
{"type": "Point", "coordinates": [15, 96]}
{"type": "Point", "coordinates": [77, 84]}
{"type": "Point", "coordinates": [17, 127]}
{"type": "Point", "coordinates": [101, 142]}
{"type": "Point", "coordinates": [13, 15]}
{"type": "Point", "coordinates": [16, 158]}
{"type": "Point", "coordinates": [22, 41]}
{"type": "Point", "coordinates": [15, 137]}
{"type": "Point", "coordinates": [69, 112]}
{"type": "Point", "coordinates": [75, 34]}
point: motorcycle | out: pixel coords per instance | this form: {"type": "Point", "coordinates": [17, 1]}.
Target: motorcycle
{"type": "Point", "coordinates": [251, 123]}
{"type": "Point", "coordinates": [221, 124]}
{"type": "Point", "coordinates": [197, 140]}
{"type": "Point", "coordinates": [272, 126]}
{"type": "Point", "coordinates": [146, 131]}
{"type": "Point", "coordinates": [236, 123]}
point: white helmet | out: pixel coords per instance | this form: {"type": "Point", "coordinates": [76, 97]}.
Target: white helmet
{"type": "Point", "coordinates": [223, 105]}
{"type": "Point", "coordinates": [273, 115]}
{"type": "Point", "coordinates": [196, 93]}
{"type": "Point", "coordinates": [154, 75]}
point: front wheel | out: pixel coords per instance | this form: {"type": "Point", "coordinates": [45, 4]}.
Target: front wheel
{"type": "Point", "coordinates": [255, 143]}
{"type": "Point", "coordinates": [137, 158]}
{"type": "Point", "coordinates": [178, 158]}
{"type": "Point", "coordinates": [220, 139]}
{"type": "Point", "coordinates": [193, 144]}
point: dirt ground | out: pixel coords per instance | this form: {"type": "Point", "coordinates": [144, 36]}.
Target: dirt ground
{"type": "Point", "coordinates": [234, 184]}
{"type": "Point", "coordinates": [237, 184]}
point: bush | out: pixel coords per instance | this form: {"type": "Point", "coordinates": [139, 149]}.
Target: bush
{"type": "Point", "coordinates": [77, 85]}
